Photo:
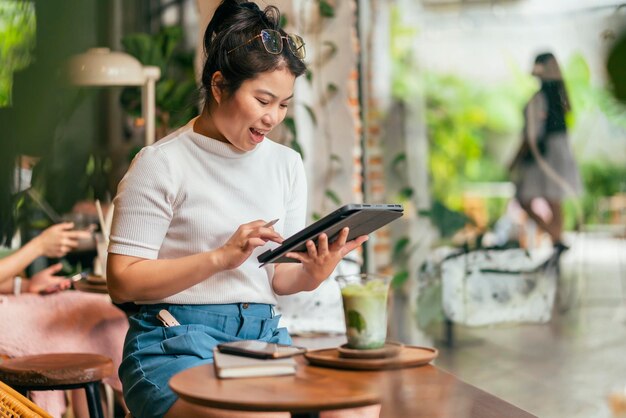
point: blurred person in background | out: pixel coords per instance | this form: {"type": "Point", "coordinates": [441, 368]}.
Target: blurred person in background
{"type": "Point", "coordinates": [544, 165]}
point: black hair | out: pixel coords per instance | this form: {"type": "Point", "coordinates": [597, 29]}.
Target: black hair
{"type": "Point", "coordinates": [233, 24]}
{"type": "Point", "coordinates": [555, 93]}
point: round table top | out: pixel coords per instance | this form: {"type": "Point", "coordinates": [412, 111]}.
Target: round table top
{"type": "Point", "coordinates": [307, 390]}
{"type": "Point", "coordinates": [48, 370]}
{"type": "Point", "coordinates": [416, 392]}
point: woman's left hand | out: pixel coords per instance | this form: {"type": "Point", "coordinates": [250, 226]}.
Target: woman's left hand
{"type": "Point", "coordinates": [46, 282]}
{"type": "Point", "coordinates": [319, 262]}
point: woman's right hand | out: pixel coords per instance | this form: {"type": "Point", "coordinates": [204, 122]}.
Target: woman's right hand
{"type": "Point", "coordinates": [59, 239]}
{"type": "Point", "coordinates": [241, 244]}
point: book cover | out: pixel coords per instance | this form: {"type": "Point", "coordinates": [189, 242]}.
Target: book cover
{"type": "Point", "coordinates": [229, 366]}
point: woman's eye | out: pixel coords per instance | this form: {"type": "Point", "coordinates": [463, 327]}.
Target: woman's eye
{"type": "Point", "coordinates": [263, 102]}
{"type": "Point", "coordinates": [284, 105]}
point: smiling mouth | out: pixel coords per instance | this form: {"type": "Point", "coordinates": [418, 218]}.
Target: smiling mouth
{"type": "Point", "coordinates": [254, 131]}
{"type": "Point", "coordinates": [257, 136]}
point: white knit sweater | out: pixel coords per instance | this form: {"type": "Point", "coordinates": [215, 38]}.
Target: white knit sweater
{"type": "Point", "coordinates": [188, 193]}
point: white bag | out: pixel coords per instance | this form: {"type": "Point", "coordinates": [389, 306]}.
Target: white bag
{"type": "Point", "coordinates": [491, 286]}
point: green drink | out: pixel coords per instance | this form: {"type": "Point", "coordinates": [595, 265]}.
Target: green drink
{"type": "Point", "coordinates": [365, 309]}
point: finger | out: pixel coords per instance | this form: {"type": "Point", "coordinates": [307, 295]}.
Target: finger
{"type": "Point", "coordinates": [267, 234]}
{"type": "Point", "coordinates": [55, 268]}
{"type": "Point", "coordinates": [341, 239]}
{"type": "Point", "coordinates": [351, 245]}
{"type": "Point", "coordinates": [66, 225]}
{"type": "Point", "coordinates": [270, 232]}
{"type": "Point", "coordinates": [322, 245]}
{"type": "Point", "coordinates": [252, 243]}
{"type": "Point", "coordinates": [65, 284]}
{"type": "Point", "coordinates": [256, 224]}
{"type": "Point", "coordinates": [70, 243]}
{"type": "Point", "coordinates": [311, 249]}
{"type": "Point", "coordinates": [297, 256]}
{"type": "Point", "coordinates": [78, 235]}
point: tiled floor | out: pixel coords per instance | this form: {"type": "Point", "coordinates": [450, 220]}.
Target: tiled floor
{"type": "Point", "coordinates": [564, 368]}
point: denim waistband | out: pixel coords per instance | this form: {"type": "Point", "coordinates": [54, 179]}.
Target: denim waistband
{"type": "Point", "coordinates": [263, 310]}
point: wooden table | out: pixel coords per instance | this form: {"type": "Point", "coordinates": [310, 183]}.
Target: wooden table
{"type": "Point", "coordinates": [90, 287]}
{"type": "Point", "coordinates": [411, 392]}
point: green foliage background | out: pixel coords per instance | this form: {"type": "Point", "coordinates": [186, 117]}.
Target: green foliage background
{"type": "Point", "coordinates": [17, 40]}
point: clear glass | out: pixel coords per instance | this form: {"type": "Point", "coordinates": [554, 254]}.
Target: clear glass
{"type": "Point", "coordinates": [365, 309]}
{"type": "Point", "coordinates": [100, 263]}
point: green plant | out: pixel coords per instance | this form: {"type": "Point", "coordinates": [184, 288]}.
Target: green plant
{"type": "Point", "coordinates": [17, 40]}
{"type": "Point", "coordinates": [328, 50]}
{"type": "Point", "coordinates": [601, 179]}
{"type": "Point", "coordinates": [176, 91]}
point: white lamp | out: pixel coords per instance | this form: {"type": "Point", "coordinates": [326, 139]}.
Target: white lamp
{"type": "Point", "coordinates": [103, 67]}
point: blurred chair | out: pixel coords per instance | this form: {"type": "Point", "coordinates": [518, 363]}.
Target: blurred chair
{"type": "Point", "coordinates": [14, 404]}
{"type": "Point", "coordinates": [59, 372]}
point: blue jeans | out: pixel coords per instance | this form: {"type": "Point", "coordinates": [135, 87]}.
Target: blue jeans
{"type": "Point", "coordinates": [154, 353]}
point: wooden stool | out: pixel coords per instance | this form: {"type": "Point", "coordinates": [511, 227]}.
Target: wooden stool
{"type": "Point", "coordinates": [59, 371]}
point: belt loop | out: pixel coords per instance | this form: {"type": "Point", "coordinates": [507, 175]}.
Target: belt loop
{"type": "Point", "coordinates": [272, 311]}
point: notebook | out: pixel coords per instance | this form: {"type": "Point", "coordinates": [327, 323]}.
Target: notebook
{"type": "Point", "coordinates": [230, 366]}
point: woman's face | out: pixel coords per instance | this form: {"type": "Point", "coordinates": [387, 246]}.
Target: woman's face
{"type": "Point", "coordinates": [260, 104]}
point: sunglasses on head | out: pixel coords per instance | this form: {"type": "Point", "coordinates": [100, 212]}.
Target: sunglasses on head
{"type": "Point", "coordinates": [273, 43]}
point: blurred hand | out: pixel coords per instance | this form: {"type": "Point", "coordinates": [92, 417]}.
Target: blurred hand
{"type": "Point", "coordinates": [319, 262]}
{"type": "Point", "coordinates": [59, 239]}
{"type": "Point", "coordinates": [241, 244]}
{"type": "Point", "coordinates": [46, 281]}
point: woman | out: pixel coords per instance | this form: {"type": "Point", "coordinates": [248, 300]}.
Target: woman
{"type": "Point", "coordinates": [55, 241]}
{"type": "Point", "coordinates": [82, 322]}
{"type": "Point", "coordinates": [191, 215]}
{"type": "Point", "coordinates": [544, 165]}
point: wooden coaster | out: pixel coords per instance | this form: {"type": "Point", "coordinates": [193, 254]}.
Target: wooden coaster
{"type": "Point", "coordinates": [409, 356]}
{"type": "Point", "coordinates": [388, 350]}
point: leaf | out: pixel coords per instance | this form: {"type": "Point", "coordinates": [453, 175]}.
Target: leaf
{"type": "Point", "coordinates": [398, 159]}
{"type": "Point", "coordinates": [405, 193]}
{"type": "Point", "coordinates": [336, 158]}
{"type": "Point", "coordinates": [332, 48]}
{"type": "Point", "coordinates": [356, 320]}
{"type": "Point", "coordinates": [296, 147]}
{"type": "Point", "coordinates": [290, 124]}
{"type": "Point", "coordinates": [309, 75]}
{"type": "Point", "coordinates": [283, 21]}
{"type": "Point", "coordinates": [168, 39]}
{"type": "Point", "coordinates": [326, 9]}
{"type": "Point", "coordinates": [311, 113]}
{"type": "Point", "coordinates": [316, 216]}
{"type": "Point", "coordinates": [400, 247]}
{"type": "Point", "coordinates": [332, 89]}
{"type": "Point", "coordinates": [399, 279]}
{"type": "Point", "coordinates": [333, 196]}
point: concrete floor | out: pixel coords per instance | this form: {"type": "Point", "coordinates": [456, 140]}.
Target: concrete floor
{"type": "Point", "coordinates": [567, 367]}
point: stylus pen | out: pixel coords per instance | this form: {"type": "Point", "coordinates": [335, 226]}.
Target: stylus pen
{"type": "Point", "coordinates": [270, 223]}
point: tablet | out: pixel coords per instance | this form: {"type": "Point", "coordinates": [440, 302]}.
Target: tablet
{"type": "Point", "coordinates": [362, 219]}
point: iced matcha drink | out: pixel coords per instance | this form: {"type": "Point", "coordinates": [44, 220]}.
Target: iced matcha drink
{"type": "Point", "coordinates": [365, 310]}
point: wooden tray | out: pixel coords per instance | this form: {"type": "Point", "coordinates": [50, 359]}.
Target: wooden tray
{"type": "Point", "coordinates": [409, 356]}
